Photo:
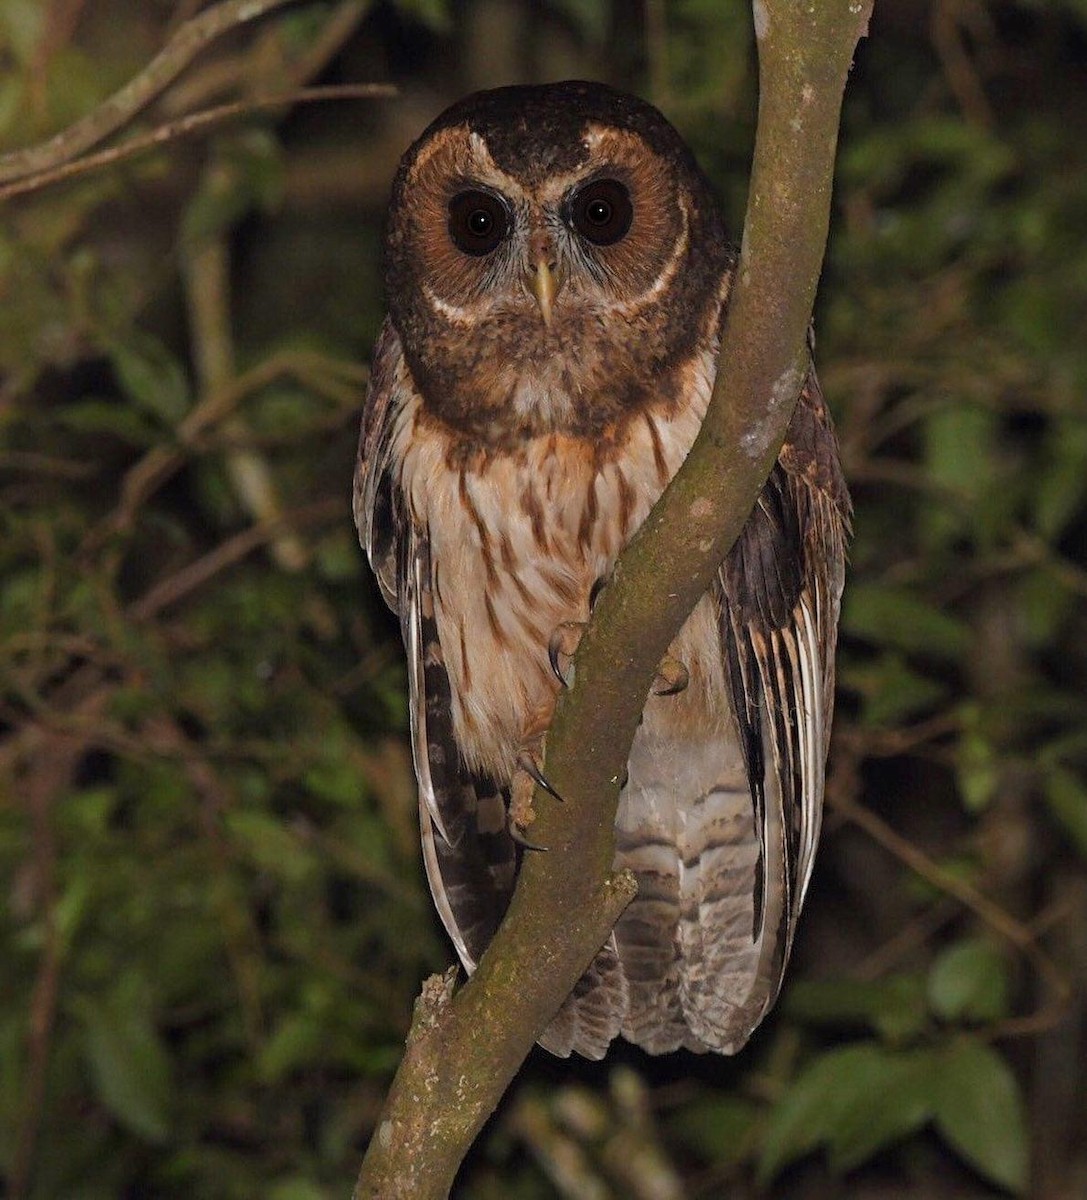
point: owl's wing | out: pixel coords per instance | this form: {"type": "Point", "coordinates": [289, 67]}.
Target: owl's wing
{"type": "Point", "coordinates": [469, 855]}
{"type": "Point", "coordinates": [779, 592]}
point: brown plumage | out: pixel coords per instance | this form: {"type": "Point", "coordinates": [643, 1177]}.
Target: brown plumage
{"type": "Point", "coordinates": [557, 274]}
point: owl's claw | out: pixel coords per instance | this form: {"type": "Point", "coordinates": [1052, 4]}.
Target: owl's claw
{"type": "Point", "coordinates": [518, 836]}
{"type": "Point", "coordinates": [561, 648]}
{"type": "Point", "coordinates": [672, 677]}
{"type": "Point", "coordinates": [526, 762]}
{"type": "Point", "coordinates": [526, 779]}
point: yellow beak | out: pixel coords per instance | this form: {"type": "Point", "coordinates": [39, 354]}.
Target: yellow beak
{"type": "Point", "coordinates": [545, 287]}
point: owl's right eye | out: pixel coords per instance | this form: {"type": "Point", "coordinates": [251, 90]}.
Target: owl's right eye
{"type": "Point", "coordinates": [478, 221]}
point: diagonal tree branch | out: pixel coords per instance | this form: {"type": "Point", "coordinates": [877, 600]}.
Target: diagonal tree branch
{"type": "Point", "coordinates": [115, 112]}
{"type": "Point", "coordinates": [463, 1051]}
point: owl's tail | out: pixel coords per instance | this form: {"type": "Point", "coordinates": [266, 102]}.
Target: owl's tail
{"type": "Point", "coordinates": [697, 958]}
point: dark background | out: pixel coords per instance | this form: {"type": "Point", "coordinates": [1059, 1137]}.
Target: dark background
{"type": "Point", "coordinates": [213, 917]}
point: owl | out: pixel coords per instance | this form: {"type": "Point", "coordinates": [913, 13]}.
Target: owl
{"type": "Point", "coordinates": [557, 274]}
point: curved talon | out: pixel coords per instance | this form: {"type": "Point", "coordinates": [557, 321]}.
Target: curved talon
{"type": "Point", "coordinates": [553, 651]}
{"type": "Point", "coordinates": [528, 764]}
{"type": "Point", "coordinates": [672, 677]}
{"type": "Point", "coordinates": [562, 644]}
{"type": "Point", "coordinates": [522, 841]}
{"type": "Point", "coordinates": [594, 595]}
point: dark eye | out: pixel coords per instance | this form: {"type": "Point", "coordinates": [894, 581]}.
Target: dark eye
{"type": "Point", "coordinates": [478, 221]}
{"type": "Point", "coordinates": [601, 211]}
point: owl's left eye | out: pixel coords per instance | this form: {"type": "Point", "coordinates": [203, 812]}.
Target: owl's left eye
{"type": "Point", "coordinates": [478, 221]}
{"type": "Point", "coordinates": [601, 211]}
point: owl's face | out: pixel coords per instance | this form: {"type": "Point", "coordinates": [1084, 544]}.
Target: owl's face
{"type": "Point", "coordinates": [547, 247]}
{"type": "Point", "coordinates": [552, 250]}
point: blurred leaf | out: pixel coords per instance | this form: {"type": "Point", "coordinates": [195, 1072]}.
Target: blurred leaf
{"type": "Point", "coordinates": [297, 1188]}
{"type": "Point", "coordinates": [977, 766]}
{"type": "Point", "coordinates": [960, 453]}
{"type": "Point", "coordinates": [125, 422]}
{"type": "Point", "coordinates": [151, 376]}
{"type": "Point", "coordinates": [890, 616]}
{"type": "Point", "coordinates": [246, 173]}
{"type": "Point", "coordinates": [902, 1108]}
{"type": "Point", "coordinates": [269, 845]}
{"type": "Point", "coordinates": [21, 23]}
{"type": "Point", "coordinates": [434, 14]}
{"type": "Point", "coordinates": [1044, 606]}
{"type": "Point", "coordinates": [717, 1127]}
{"type": "Point", "coordinates": [854, 1101]}
{"type": "Point", "coordinates": [1062, 489]}
{"type": "Point", "coordinates": [1066, 795]}
{"type": "Point", "coordinates": [969, 982]}
{"type": "Point", "coordinates": [891, 689]}
{"type": "Point", "coordinates": [591, 18]}
{"type": "Point", "coordinates": [130, 1065]}
{"type": "Point", "coordinates": [979, 1111]}
{"type": "Point", "coordinates": [894, 1007]}
{"type": "Point", "coordinates": [293, 1044]}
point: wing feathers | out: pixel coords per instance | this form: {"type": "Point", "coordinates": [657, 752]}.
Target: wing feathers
{"type": "Point", "coordinates": [469, 856]}
{"type": "Point", "coordinates": [779, 593]}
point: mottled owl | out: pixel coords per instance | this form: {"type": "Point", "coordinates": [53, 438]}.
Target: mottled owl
{"type": "Point", "coordinates": [557, 275]}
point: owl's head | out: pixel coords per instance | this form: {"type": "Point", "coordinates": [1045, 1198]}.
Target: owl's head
{"type": "Point", "coordinates": [551, 252]}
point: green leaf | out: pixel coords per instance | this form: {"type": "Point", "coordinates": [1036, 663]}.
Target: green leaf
{"type": "Point", "coordinates": [122, 421]}
{"type": "Point", "coordinates": [296, 1188]}
{"type": "Point", "coordinates": [893, 1007]}
{"type": "Point", "coordinates": [294, 1043]}
{"type": "Point", "coordinates": [151, 376]}
{"type": "Point", "coordinates": [960, 456]}
{"type": "Point", "coordinates": [977, 768]}
{"type": "Point", "coordinates": [892, 690]}
{"type": "Point", "coordinates": [980, 1113]}
{"type": "Point", "coordinates": [1061, 489]}
{"type": "Point", "coordinates": [434, 14]}
{"type": "Point", "coordinates": [248, 173]}
{"type": "Point", "coordinates": [129, 1063]}
{"type": "Point", "coordinates": [716, 1127]}
{"type": "Point", "coordinates": [854, 1101]}
{"type": "Point", "coordinates": [271, 846]}
{"type": "Point", "coordinates": [893, 617]}
{"type": "Point", "coordinates": [901, 1108]}
{"type": "Point", "coordinates": [21, 23]}
{"type": "Point", "coordinates": [969, 982]}
{"type": "Point", "coordinates": [1066, 795]}
{"type": "Point", "coordinates": [590, 17]}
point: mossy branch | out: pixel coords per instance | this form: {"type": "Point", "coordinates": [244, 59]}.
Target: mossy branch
{"type": "Point", "coordinates": [464, 1049]}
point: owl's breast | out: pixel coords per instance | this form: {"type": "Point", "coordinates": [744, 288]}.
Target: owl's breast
{"type": "Point", "coordinates": [517, 540]}
{"type": "Point", "coordinates": [589, 374]}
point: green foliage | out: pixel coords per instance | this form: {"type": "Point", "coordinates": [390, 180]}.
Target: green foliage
{"type": "Point", "coordinates": [215, 920]}
{"type": "Point", "coordinates": [864, 1098]}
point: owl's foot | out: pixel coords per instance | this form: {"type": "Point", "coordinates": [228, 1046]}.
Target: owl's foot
{"type": "Point", "coordinates": [561, 648]}
{"type": "Point", "coordinates": [528, 776]}
{"type": "Point", "coordinates": [672, 676]}
{"type": "Point", "coordinates": [563, 643]}
{"type": "Point", "coordinates": [519, 838]}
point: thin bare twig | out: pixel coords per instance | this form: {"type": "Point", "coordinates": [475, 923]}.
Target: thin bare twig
{"type": "Point", "coordinates": [207, 293]}
{"type": "Point", "coordinates": [193, 575]}
{"type": "Point", "coordinates": [50, 758]}
{"type": "Point", "coordinates": [123, 105]}
{"type": "Point", "coordinates": [192, 124]}
{"type": "Point", "coordinates": [325, 376]}
{"type": "Point", "coordinates": [1021, 936]}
